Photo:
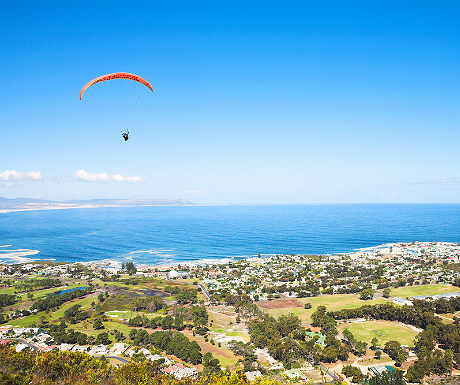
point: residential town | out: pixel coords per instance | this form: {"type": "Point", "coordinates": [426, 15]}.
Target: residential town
{"type": "Point", "coordinates": [219, 311]}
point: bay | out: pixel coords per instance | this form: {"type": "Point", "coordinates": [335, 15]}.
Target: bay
{"type": "Point", "coordinates": [174, 234]}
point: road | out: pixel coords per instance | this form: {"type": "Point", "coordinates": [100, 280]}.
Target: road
{"type": "Point", "coordinates": [329, 372]}
{"type": "Point", "coordinates": [205, 292]}
{"type": "Point", "coordinates": [121, 359]}
{"type": "Point", "coordinates": [32, 346]}
{"type": "Point", "coordinates": [203, 289]}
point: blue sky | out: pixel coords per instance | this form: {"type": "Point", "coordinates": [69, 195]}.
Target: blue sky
{"type": "Point", "coordinates": [254, 102]}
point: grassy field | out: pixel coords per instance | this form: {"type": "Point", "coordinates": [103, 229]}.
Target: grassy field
{"type": "Point", "coordinates": [412, 291]}
{"type": "Point", "coordinates": [385, 331]}
{"type": "Point", "coordinates": [26, 321]}
{"type": "Point", "coordinates": [43, 293]}
{"type": "Point", "coordinates": [53, 316]}
{"type": "Point", "coordinates": [87, 328]}
{"type": "Point", "coordinates": [332, 302]}
{"type": "Point", "coordinates": [85, 304]}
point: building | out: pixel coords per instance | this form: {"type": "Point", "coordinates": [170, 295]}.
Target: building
{"type": "Point", "coordinates": [295, 374]}
{"type": "Point", "coordinates": [98, 350]}
{"type": "Point", "coordinates": [401, 301]}
{"type": "Point", "coordinates": [321, 337]}
{"type": "Point", "coordinates": [180, 371]}
{"type": "Point", "coordinates": [66, 347]}
{"type": "Point", "coordinates": [251, 376]}
{"type": "Point", "coordinates": [379, 370]}
{"type": "Point", "coordinates": [117, 349]}
{"type": "Point", "coordinates": [21, 347]}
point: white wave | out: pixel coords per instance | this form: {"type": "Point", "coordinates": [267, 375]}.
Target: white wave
{"type": "Point", "coordinates": [155, 252]}
{"type": "Point", "coordinates": [17, 256]}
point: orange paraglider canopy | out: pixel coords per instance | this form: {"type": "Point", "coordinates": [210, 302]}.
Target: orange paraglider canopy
{"type": "Point", "coordinates": [117, 75]}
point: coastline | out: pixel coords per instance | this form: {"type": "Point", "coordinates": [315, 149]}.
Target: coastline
{"type": "Point", "coordinates": [81, 206]}
{"type": "Point", "coordinates": [89, 205]}
{"type": "Point", "coordinates": [20, 256]}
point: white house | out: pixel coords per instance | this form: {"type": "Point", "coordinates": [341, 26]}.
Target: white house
{"type": "Point", "coordinates": [401, 301]}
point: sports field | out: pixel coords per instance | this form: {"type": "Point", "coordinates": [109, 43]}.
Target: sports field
{"type": "Point", "coordinates": [412, 291]}
{"type": "Point", "coordinates": [332, 302]}
{"type": "Point", "coordinates": [384, 331]}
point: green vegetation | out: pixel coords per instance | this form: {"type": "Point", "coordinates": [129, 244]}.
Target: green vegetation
{"type": "Point", "coordinates": [353, 372]}
{"type": "Point", "coordinates": [129, 268]}
{"type": "Point", "coordinates": [35, 284]}
{"type": "Point", "coordinates": [333, 302]}
{"type": "Point", "coordinates": [413, 291]}
{"type": "Point", "coordinates": [54, 301]}
{"type": "Point", "coordinates": [7, 300]}
{"type": "Point", "coordinates": [384, 331]}
{"type": "Point", "coordinates": [41, 293]}
{"type": "Point", "coordinates": [79, 368]}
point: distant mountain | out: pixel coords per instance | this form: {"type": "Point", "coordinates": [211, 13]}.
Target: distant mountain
{"type": "Point", "coordinates": [23, 204]}
{"type": "Point", "coordinates": [134, 202]}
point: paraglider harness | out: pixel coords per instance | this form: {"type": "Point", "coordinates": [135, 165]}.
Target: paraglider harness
{"type": "Point", "coordinates": [125, 135]}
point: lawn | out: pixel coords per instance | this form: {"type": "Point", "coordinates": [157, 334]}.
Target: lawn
{"type": "Point", "coordinates": [332, 302]}
{"type": "Point", "coordinates": [44, 292]}
{"type": "Point", "coordinates": [235, 334]}
{"type": "Point", "coordinates": [384, 331]}
{"type": "Point", "coordinates": [54, 316]}
{"type": "Point", "coordinates": [87, 328]}
{"type": "Point", "coordinates": [111, 325]}
{"type": "Point", "coordinates": [432, 289]}
{"type": "Point", "coordinates": [25, 321]}
{"type": "Point", "coordinates": [85, 304]}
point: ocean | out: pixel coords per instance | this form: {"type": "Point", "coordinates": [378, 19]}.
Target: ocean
{"type": "Point", "coordinates": [170, 234]}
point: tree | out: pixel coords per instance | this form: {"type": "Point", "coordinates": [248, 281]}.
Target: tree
{"type": "Point", "coordinates": [448, 358]}
{"type": "Point", "coordinates": [374, 343]}
{"type": "Point", "coordinates": [395, 377]}
{"type": "Point", "coordinates": [307, 305]}
{"type": "Point", "coordinates": [386, 292]}
{"type": "Point", "coordinates": [354, 372]}
{"type": "Point", "coordinates": [130, 268]}
{"type": "Point", "coordinates": [414, 374]}
{"type": "Point", "coordinates": [211, 365]}
{"type": "Point", "coordinates": [195, 356]}
{"type": "Point", "coordinates": [361, 347]}
{"type": "Point", "coordinates": [400, 358]}
{"type": "Point", "coordinates": [98, 324]}
{"type": "Point", "coordinates": [367, 293]}
{"type": "Point", "coordinates": [393, 348]}
{"type": "Point", "coordinates": [119, 336]}
{"type": "Point", "coordinates": [378, 354]}
{"type": "Point", "coordinates": [288, 323]}
{"type": "Point", "coordinates": [132, 334]}
{"type": "Point", "coordinates": [103, 339]}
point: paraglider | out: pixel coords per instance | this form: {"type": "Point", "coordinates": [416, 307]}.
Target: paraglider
{"type": "Point", "coordinates": [116, 75]}
{"type": "Point", "coordinates": [130, 103]}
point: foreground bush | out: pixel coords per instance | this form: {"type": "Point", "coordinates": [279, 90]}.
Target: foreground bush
{"type": "Point", "coordinates": [55, 367]}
